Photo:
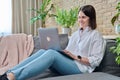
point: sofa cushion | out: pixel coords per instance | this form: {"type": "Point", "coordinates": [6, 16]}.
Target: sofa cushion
{"type": "Point", "coordinates": [63, 40]}
{"type": "Point", "coordinates": [108, 63]}
{"type": "Point", "coordinates": [86, 76]}
{"type": "Point", "coordinates": [36, 44]}
{"type": "Point", "coordinates": [45, 74]}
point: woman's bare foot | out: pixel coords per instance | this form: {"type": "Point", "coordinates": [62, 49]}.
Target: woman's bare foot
{"type": "Point", "coordinates": [11, 76]}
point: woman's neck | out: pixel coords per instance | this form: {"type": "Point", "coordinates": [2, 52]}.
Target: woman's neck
{"type": "Point", "coordinates": [83, 28]}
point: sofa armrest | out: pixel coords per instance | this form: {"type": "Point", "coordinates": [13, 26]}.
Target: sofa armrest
{"type": "Point", "coordinates": [108, 64]}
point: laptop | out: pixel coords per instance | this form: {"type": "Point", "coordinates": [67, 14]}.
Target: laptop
{"type": "Point", "coordinates": [49, 38]}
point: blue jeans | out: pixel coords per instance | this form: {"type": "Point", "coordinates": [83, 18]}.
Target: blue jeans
{"type": "Point", "coordinates": [42, 60]}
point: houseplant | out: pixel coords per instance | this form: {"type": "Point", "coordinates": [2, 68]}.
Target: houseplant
{"type": "Point", "coordinates": [116, 50]}
{"type": "Point", "coordinates": [65, 18]}
{"type": "Point", "coordinates": [116, 19]}
{"type": "Point", "coordinates": [42, 12]}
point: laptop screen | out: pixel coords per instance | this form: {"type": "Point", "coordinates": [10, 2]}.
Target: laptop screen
{"type": "Point", "coordinates": [49, 38]}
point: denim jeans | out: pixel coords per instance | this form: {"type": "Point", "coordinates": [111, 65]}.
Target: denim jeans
{"type": "Point", "coordinates": [42, 60]}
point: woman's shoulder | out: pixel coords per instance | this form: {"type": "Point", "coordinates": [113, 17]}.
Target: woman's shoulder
{"type": "Point", "coordinates": [96, 34]}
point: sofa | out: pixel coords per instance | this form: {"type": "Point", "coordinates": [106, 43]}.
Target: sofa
{"type": "Point", "coordinates": [107, 70]}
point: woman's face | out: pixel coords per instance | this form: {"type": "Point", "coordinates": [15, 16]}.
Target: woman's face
{"type": "Point", "coordinates": [83, 20]}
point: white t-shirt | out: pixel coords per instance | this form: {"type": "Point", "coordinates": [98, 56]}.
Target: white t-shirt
{"type": "Point", "coordinates": [87, 43]}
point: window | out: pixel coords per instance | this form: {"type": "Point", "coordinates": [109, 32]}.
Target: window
{"type": "Point", "coordinates": [5, 17]}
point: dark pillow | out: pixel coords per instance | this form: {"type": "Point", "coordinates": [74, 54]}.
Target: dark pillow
{"type": "Point", "coordinates": [108, 63]}
{"type": "Point", "coordinates": [36, 44]}
{"type": "Point", "coordinates": [63, 40]}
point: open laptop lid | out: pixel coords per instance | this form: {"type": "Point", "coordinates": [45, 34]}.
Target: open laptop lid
{"type": "Point", "coordinates": [49, 38]}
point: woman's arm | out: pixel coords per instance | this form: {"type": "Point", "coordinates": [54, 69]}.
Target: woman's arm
{"type": "Point", "coordinates": [83, 60]}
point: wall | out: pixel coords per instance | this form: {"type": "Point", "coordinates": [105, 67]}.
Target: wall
{"type": "Point", "coordinates": [105, 9]}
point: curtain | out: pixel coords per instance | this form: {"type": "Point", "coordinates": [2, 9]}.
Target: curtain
{"type": "Point", "coordinates": [5, 18]}
{"type": "Point", "coordinates": [21, 16]}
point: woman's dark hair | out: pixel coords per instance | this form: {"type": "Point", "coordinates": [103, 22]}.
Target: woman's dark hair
{"type": "Point", "coordinates": [89, 11]}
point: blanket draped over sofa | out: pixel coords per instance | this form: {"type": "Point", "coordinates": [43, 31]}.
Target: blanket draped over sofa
{"type": "Point", "coordinates": [13, 49]}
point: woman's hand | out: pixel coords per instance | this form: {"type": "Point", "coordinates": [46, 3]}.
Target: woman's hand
{"type": "Point", "coordinates": [66, 51]}
{"type": "Point", "coordinates": [70, 54]}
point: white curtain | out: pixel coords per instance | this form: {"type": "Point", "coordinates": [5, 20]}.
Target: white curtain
{"type": "Point", "coordinates": [21, 16]}
{"type": "Point", "coordinates": [5, 17]}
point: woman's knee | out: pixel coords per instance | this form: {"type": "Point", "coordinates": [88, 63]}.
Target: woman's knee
{"type": "Point", "coordinates": [51, 51]}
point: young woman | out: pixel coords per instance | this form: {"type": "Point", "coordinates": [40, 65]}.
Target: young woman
{"type": "Point", "coordinates": [86, 47]}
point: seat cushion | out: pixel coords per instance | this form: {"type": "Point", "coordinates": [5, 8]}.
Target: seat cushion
{"type": "Point", "coordinates": [86, 76]}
